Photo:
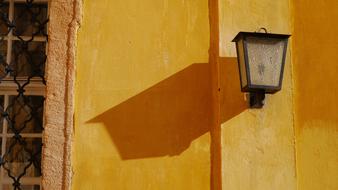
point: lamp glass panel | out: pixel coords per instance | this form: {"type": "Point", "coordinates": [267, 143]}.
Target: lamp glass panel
{"type": "Point", "coordinates": [265, 56]}
{"type": "Point", "coordinates": [240, 54]}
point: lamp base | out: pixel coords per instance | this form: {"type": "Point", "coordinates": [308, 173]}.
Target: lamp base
{"type": "Point", "coordinates": [257, 99]}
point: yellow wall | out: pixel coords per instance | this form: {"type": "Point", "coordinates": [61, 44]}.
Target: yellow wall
{"type": "Point", "coordinates": [315, 58]}
{"type": "Point", "coordinates": [257, 144]}
{"type": "Point", "coordinates": [142, 96]}
{"type": "Point", "coordinates": [145, 100]}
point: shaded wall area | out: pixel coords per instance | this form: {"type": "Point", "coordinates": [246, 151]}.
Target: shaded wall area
{"type": "Point", "coordinates": [257, 144]}
{"type": "Point", "coordinates": [315, 44]}
{"type": "Point", "coordinates": [164, 119]}
{"type": "Point", "coordinates": [143, 100]}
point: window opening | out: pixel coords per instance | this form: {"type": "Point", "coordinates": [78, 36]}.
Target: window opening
{"type": "Point", "coordinates": [23, 44]}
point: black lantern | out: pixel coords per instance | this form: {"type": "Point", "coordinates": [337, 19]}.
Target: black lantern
{"type": "Point", "coordinates": [261, 59]}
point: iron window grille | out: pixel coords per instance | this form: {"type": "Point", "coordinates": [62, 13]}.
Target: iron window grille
{"type": "Point", "coordinates": [23, 44]}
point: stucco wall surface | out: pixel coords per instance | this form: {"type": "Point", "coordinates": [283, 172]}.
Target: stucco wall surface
{"type": "Point", "coordinates": [257, 144]}
{"type": "Point", "coordinates": [142, 96]}
{"type": "Point", "coordinates": [316, 105]}
{"type": "Point", "coordinates": [145, 99]}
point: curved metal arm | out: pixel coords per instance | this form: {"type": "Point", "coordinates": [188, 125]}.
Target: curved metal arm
{"type": "Point", "coordinates": [262, 28]}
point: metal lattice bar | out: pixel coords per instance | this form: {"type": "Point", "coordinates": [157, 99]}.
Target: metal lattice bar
{"type": "Point", "coordinates": [23, 41]}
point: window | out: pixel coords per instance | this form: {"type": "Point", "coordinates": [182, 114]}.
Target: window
{"type": "Point", "coordinates": [23, 44]}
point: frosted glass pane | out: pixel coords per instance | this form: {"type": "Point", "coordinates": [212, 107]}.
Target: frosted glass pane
{"type": "Point", "coordinates": [18, 157]}
{"type": "Point", "coordinates": [25, 114]}
{"type": "Point", "coordinates": [240, 49]}
{"type": "Point", "coordinates": [26, 19]}
{"type": "Point", "coordinates": [265, 60]}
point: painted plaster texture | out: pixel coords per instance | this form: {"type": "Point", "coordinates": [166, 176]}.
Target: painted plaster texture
{"type": "Point", "coordinates": [316, 105]}
{"type": "Point", "coordinates": [215, 131]}
{"type": "Point", "coordinates": [257, 144]}
{"type": "Point", "coordinates": [56, 157]}
{"type": "Point", "coordinates": [142, 113]}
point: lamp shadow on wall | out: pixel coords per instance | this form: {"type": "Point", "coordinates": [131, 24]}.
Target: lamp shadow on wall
{"type": "Point", "coordinates": [164, 119]}
{"type": "Point", "coordinates": [232, 100]}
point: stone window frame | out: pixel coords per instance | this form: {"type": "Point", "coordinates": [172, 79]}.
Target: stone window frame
{"type": "Point", "coordinates": [65, 18]}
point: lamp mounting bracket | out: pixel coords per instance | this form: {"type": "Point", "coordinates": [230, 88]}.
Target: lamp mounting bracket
{"type": "Point", "coordinates": [256, 99]}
